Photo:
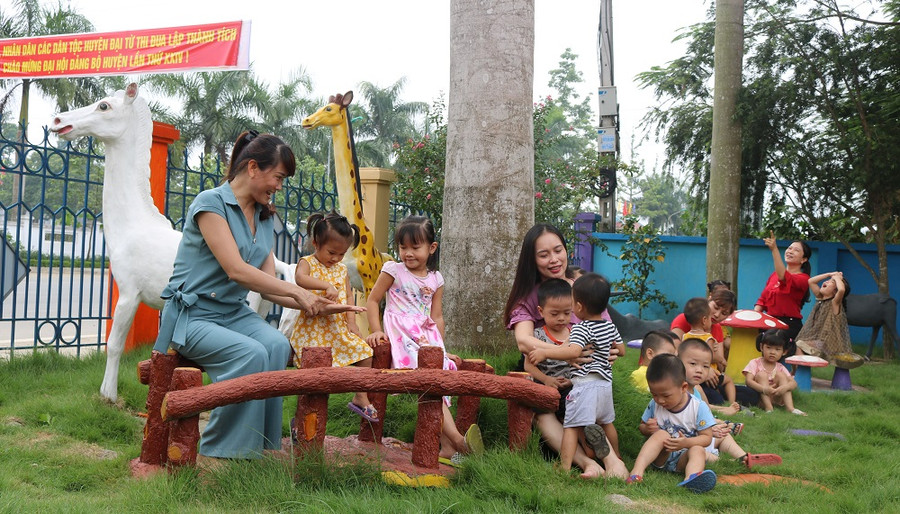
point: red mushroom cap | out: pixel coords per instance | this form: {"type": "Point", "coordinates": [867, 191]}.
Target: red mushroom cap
{"type": "Point", "coordinates": [748, 318]}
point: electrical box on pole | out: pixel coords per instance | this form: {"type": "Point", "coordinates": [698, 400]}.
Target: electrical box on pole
{"type": "Point", "coordinates": [609, 106]}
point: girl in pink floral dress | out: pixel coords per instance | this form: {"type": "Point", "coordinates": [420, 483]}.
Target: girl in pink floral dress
{"type": "Point", "coordinates": [413, 316]}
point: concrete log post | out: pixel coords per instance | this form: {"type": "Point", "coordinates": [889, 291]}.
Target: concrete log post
{"type": "Point", "coordinates": [369, 431]}
{"type": "Point", "coordinates": [158, 375]}
{"type": "Point", "coordinates": [518, 418]}
{"type": "Point", "coordinates": [184, 434]}
{"type": "Point", "coordinates": [312, 409]}
{"type": "Point", "coordinates": [427, 439]}
{"type": "Point", "coordinates": [467, 406]}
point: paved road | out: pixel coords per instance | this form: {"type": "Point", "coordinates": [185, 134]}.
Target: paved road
{"type": "Point", "coordinates": [65, 305]}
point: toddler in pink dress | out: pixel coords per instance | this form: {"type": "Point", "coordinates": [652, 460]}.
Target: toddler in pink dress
{"type": "Point", "coordinates": [413, 316]}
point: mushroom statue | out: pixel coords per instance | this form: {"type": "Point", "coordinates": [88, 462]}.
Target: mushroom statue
{"type": "Point", "coordinates": [745, 325]}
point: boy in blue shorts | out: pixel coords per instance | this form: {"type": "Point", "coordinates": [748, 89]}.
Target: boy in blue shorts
{"type": "Point", "coordinates": [678, 426]}
{"type": "Point", "coordinates": [590, 402]}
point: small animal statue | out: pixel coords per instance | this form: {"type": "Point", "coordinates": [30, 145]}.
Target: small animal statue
{"type": "Point", "coordinates": [873, 310]}
{"type": "Point", "coordinates": [364, 262]}
{"type": "Point", "coordinates": [631, 327]}
{"type": "Point", "coordinates": [141, 241]}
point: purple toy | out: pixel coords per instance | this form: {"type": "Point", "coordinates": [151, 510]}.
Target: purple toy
{"type": "Point", "coordinates": [799, 431]}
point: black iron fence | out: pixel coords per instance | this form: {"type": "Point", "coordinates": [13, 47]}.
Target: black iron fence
{"type": "Point", "coordinates": [55, 281]}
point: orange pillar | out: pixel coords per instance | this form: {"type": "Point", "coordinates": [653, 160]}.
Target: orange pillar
{"type": "Point", "coordinates": [145, 327]}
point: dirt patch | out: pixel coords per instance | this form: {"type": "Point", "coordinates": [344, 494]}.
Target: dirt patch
{"type": "Point", "coordinates": [12, 421]}
{"type": "Point", "coordinates": [73, 449]}
{"type": "Point", "coordinates": [39, 438]}
{"type": "Point", "coordinates": [91, 451]}
{"type": "Point", "coordinates": [647, 506]}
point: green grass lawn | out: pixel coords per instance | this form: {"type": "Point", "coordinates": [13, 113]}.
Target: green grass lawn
{"type": "Point", "coordinates": [63, 449]}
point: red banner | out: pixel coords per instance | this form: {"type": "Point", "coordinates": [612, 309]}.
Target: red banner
{"type": "Point", "coordinates": [211, 46]}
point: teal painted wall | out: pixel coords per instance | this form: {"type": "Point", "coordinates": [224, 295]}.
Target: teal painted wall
{"type": "Point", "coordinates": [683, 274]}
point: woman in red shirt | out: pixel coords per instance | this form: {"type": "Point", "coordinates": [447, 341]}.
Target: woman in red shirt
{"type": "Point", "coordinates": [787, 288]}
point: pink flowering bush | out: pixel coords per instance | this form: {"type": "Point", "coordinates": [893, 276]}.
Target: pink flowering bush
{"type": "Point", "coordinates": [420, 168]}
{"type": "Point", "coordinates": [566, 171]}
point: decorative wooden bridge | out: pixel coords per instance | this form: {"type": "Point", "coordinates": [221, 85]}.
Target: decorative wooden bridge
{"type": "Point", "coordinates": [177, 397]}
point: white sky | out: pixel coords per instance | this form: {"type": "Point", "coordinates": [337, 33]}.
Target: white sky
{"type": "Point", "coordinates": [343, 43]}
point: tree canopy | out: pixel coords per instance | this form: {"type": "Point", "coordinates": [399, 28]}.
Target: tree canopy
{"type": "Point", "coordinates": [821, 120]}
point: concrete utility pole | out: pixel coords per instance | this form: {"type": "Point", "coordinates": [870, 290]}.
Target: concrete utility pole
{"type": "Point", "coordinates": [724, 214]}
{"type": "Point", "coordinates": [489, 183]}
{"type": "Point", "coordinates": [608, 131]}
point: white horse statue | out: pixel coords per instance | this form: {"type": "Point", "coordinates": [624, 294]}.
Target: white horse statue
{"type": "Point", "coordinates": [141, 241]}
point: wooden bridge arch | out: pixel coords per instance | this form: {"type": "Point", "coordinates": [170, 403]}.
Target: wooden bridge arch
{"type": "Point", "coordinates": [177, 397]}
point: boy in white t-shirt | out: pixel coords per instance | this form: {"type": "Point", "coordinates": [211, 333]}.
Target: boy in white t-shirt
{"type": "Point", "coordinates": [678, 426]}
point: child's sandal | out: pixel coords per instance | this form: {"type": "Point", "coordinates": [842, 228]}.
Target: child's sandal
{"type": "Point", "coordinates": [760, 459]}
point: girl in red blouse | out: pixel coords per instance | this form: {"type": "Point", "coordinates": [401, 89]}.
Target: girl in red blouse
{"type": "Point", "coordinates": [787, 288]}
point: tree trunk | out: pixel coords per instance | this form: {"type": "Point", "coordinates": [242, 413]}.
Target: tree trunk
{"type": "Point", "coordinates": [724, 223]}
{"type": "Point", "coordinates": [489, 182]}
{"type": "Point", "coordinates": [887, 338]}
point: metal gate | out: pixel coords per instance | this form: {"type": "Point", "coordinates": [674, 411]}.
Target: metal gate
{"type": "Point", "coordinates": [55, 280]}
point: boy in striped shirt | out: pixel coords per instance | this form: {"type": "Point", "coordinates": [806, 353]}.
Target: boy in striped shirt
{"type": "Point", "coordinates": [590, 402]}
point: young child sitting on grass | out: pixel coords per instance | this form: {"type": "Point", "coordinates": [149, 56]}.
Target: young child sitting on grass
{"type": "Point", "coordinates": [590, 403]}
{"type": "Point", "coordinates": [699, 315]}
{"type": "Point", "coordinates": [655, 342]}
{"type": "Point", "coordinates": [769, 377]}
{"type": "Point", "coordinates": [678, 427]}
{"type": "Point", "coordinates": [697, 357]}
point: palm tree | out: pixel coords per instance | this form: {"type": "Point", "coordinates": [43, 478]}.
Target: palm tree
{"type": "Point", "coordinates": [216, 107]}
{"type": "Point", "coordinates": [387, 120]}
{"type": "Point", "coordinates": [286, 105]}
{"type": "Point", "coordinates": [28, 18]}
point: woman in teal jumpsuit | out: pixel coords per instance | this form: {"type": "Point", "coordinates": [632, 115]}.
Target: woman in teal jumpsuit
{"type": "Point", "coordinates": [227, 250]}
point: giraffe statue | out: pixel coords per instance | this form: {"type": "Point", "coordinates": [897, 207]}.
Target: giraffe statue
{"type": "Point", "coordinates": [364, 263]}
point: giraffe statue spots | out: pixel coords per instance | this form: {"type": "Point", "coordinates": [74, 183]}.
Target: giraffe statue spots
{"type": "Point", "coordinates": [364, 263]}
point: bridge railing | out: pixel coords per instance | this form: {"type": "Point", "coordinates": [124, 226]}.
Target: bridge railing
{"type": "Point", "coordinates": [176, 399]}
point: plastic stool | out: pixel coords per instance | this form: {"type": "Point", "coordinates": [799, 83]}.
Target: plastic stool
{"type": "Point", "coordinates": [803, 374]}
{"type": "Point", "coordinates": [841, 379]}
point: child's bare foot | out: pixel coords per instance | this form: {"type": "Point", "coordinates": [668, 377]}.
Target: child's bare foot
{"type": "Point", "coordinates": [592, 471]}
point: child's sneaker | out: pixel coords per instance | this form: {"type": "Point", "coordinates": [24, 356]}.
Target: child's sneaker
{"type": "Point", "coordinates": [700, 482]}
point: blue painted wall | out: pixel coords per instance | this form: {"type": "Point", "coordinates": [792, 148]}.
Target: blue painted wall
{"type": "Point", "coordinates": [683, 274]}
